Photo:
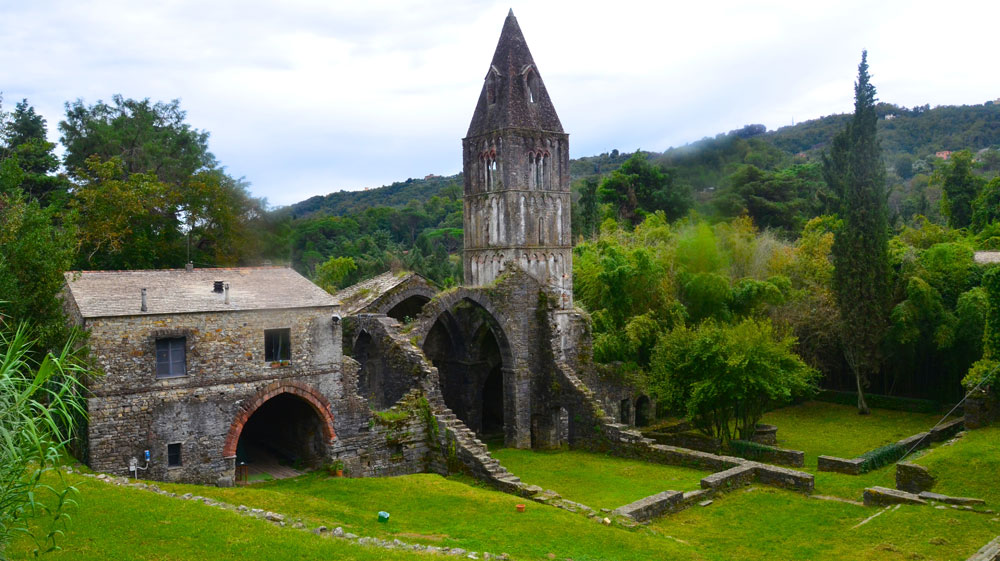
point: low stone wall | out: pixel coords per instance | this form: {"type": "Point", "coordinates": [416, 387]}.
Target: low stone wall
{"type": "Point", "coordinates": [737, 476]}
{"type": "Point", "coordinates": [913, 478]}
{"type": "Point", "coordinates": [989, 552]}
{"type": "Point", "coordinates": [883, 496]}
{"type": "Point", "coordinates": [785, 478]}
{"type": "Point", "coordinates": [748, 472]}
{"type": "Point", "coordinates": [765, 434]}
{"type": "Point", "coordinates": [772, 454]}
{"type": "Point", "coordinates": [856, 466]}
{"type": "Point", "coordinates": [652, 506]}
{"type": "Point", "coordinates": [691, 441]}
{"type": "Point", "coordinates": [981, 409]}
{"type": "Point", "coordinates": [840, 465]}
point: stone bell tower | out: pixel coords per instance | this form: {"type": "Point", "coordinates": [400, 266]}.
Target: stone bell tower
{"type": "Point", "coordinates": [516, 167]}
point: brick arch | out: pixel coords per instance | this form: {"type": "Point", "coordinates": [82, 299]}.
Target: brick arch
{"type": "Point", "coordinates": [314, 398]}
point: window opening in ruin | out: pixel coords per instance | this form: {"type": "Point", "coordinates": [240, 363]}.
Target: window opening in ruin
{"type": "Point", "coordinates": [491, 90]}
{"type": "Point", "coordinates": [174, 455]}
{"type": "Point", "coordinates": [541, 230]}
{"type": "Point", "coordinates": [170, 357]}
{"type": "Point", "coordinates": [625, 412]}
{"type": "Point", "coordinates": [532, 82]}
{"type": "Point", "coordinates": [643, 411]}
{"type": "Point", "coordinates": [540, 171]}
{"type": "Point", "coordinates": [277, 344]}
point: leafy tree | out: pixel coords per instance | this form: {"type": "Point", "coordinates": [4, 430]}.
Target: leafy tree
{"type": "Point", "coordinates": [331, 275]}
{"type": "Point", "coordinates": [588, 206]}
{"type": "Point", "coordinates": [40, 410]}
{"type": "Point", "coordinates": [986, 207]}
{"type": "Point", "coordinates": [855, 171]}
{"type": "Point", "coordinates": [639, 186]}
{"type": "Point", "coordinates": [34, 252]}
{"type": "Point", "coordinates": [725, 377]}
{"type": "Point", "coordinates": [126, 221]}
{"type": "Point", "coordinates": [960, 189]}
{"type": "Point", "coordinates": [986, 371]}
{"type": "Point", "coordinates": [22, 139]}
{"type": "Point", "coordinates": [148, 137]}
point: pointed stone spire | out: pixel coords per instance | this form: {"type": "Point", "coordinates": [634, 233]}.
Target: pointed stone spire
{"type": "Point", "coordinates": [513, 94]}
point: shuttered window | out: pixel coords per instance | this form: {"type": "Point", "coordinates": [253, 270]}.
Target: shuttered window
{"type": "Point", "coordinates": [170, 358]}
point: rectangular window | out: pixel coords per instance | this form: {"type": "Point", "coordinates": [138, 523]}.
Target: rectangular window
{"type": "Point", "coordinates": [170, 359]}
{"type": "Point", "coordinates": [174, 455]}
{"type": "Point", "coordinates": [277, 344]}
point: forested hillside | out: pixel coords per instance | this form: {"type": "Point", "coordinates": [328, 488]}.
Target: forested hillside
{"type": "Point", "coordinates": [732, 228]}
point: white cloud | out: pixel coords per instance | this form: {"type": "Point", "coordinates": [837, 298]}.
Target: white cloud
{"type": "Point", "coordinates": [305, 98]}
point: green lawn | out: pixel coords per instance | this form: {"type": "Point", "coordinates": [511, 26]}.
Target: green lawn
{"type": "Point", "coordinates": [761, 523]}
{"type": "Point", "coordinates": [819, 428]}
{"type": "Point", "coordinates": [433, 510]}
{"type": "Point", "coordinates": [969, 467]}
{"type": "Point", "coordinates": [127, 524]}
{"type": "Point", "coordinates": [596, 480]}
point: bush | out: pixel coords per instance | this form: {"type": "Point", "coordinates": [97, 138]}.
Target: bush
{"type": "Point", "coordinates": [882, 456]}
{"type": "Point", "coordinates": [725, 376]}
{"type": "Point", "coordinates": [750, 450]}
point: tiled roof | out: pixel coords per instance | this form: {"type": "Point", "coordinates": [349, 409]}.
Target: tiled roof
{"type": "Point", "coordinates": [356, 297]}
{"type": "Point", "coordinates": [172, 291]}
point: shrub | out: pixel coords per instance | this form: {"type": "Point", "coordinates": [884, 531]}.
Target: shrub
{"type": "Point", "coordinates": [726, 376]}
{"type": "Point", "coordinates": [882, 456]}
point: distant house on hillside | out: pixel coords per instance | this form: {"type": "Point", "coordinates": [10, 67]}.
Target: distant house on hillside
{"type": "Point", "coordinates": [943, 154]}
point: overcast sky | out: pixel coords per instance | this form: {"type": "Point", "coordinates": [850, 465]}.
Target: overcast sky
{"type": "Point", "coordinates": [307, 97]}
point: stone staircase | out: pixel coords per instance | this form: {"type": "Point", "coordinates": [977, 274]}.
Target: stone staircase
{"type": "Point", "coordinates": [457, 442]}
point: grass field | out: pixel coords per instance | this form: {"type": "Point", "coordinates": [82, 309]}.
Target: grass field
{"type": "Point", "coordinates": [597, 480]}
{"type": "Point", "coordinates": [755, 523]}
{"type": "Point", "coordinates": [818, 428]}
{"type": "Point", "coordinates": [969, 467]}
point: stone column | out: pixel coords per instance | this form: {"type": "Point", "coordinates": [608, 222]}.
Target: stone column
{"type": "Point", "coordinates": [517, 407]}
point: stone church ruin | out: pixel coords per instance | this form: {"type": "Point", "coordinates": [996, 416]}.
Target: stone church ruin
{"type": "Point", "coordinates": [212, 369]}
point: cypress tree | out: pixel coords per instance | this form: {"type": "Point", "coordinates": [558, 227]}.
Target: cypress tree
{"type": "Point", "coordinates": [855, 171]}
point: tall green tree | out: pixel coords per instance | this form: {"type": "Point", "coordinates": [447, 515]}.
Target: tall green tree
{"type": "Point", "coordinates": [148, 137]}
{"type": "Point", "coordinates": [960, 187]}
{"type": "Point", "coordinates": [854, 169]}
{"type": "Point", "coordinates": [588, 207]}
{"type": "Point", "coordinates": [23, 140]}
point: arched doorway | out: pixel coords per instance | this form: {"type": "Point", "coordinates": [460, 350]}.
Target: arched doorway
{"type": "Point", "coordinates": [408, 309]}
{"type": "Point", "coordinates": [470, 350]}
{"type": "Point", "coordinates": [282, 432]}
{"type": "Point", "coordinates": [643, 412]}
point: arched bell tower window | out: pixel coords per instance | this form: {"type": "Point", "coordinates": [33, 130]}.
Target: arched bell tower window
{"type": "Point", "coordinates": [492, 84]}
{"type": "Point", "coordinates": [530, 84]}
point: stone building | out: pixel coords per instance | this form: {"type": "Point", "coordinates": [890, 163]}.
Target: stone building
{"type": "Point", "coordinates": [207, 367]}
{"type": "Point", "coordinates": [210, 368]}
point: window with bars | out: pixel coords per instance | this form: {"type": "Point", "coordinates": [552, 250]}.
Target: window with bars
{"type": "Point", "coordinates": [174, 455]}
{"type": "Point", "coordinates": [170, 357]}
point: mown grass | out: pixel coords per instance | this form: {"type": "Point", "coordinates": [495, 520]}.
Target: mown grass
{"type": "Point", "coordinates": [761, 523]}
{"type": "Point", "coordinates": [968, 467]}
{"type": "Point", "coordinates": [757, 523]}
{"type": "Point", "coordinates": [433, 510]}
{"type": "Point", "coordinates": [596, 480]}
{"type": "Point", "coordinates": [819, 428]}
{"type": "Point", "coordinates": [122, 524]}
